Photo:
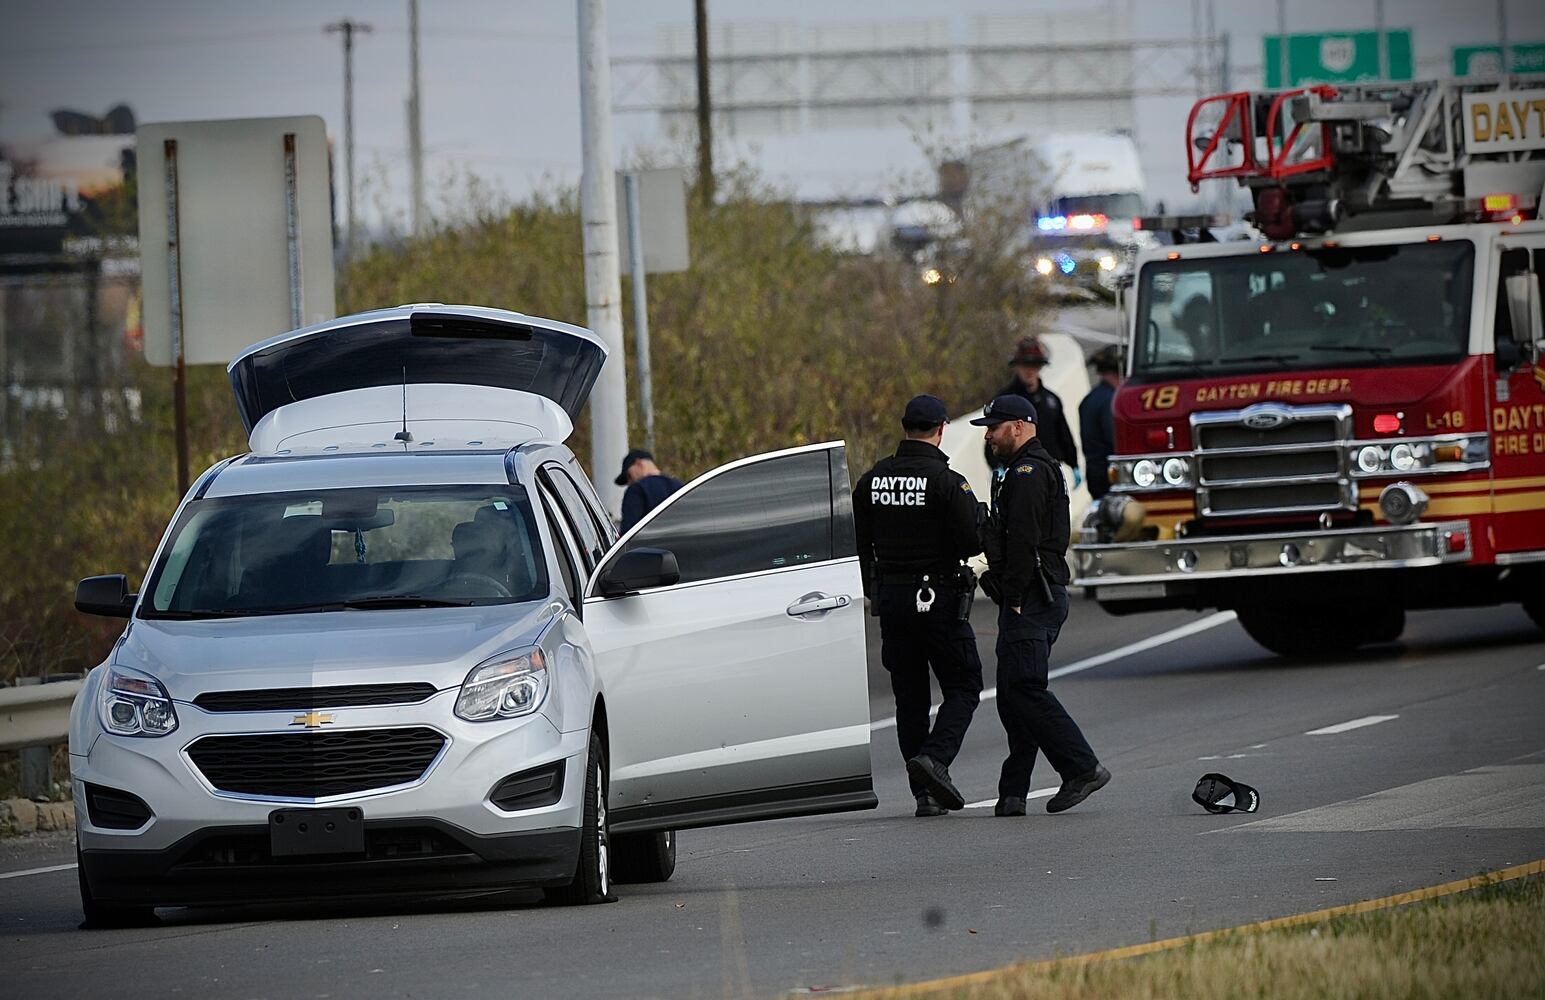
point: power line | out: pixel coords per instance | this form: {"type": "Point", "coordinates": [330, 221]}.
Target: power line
{"type": "Point", "coordinates": [140, 44]}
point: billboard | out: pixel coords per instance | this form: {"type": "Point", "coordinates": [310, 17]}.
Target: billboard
{"type": "Point", "coordinates": [65, 197]}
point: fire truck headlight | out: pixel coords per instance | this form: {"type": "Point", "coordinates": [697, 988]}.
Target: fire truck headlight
{"type": "Point", "coordinates": [1043, 266]}
{"type": "Point", "coordinates": [1108, 262]}
{"type": "Point", "coordinates": [1145, 473]}
{"type": "Point", "coordinates": [1370, 459]}
{"type": "Point", "coordinates": [1403, 458]}
{"type": "Point", "coordinates": [1177, 472]}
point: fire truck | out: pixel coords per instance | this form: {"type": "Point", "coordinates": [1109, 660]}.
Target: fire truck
{"type": "Point", "coordinates": [1344, 419]}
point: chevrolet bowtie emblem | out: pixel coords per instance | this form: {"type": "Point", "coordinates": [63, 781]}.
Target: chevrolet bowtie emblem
{"type": "Point", "coordinates": [313, 720]}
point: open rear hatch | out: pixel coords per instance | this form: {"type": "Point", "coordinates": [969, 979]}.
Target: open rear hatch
{"type": "Point", "coordinates": [453, 375]}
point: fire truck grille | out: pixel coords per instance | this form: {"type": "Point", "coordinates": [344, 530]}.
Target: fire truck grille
{"type": "Point", "coordinates": [1298, 465]}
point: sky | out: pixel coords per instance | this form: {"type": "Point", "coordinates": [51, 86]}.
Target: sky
{"type": "Point", "coordinates": [500, 77]}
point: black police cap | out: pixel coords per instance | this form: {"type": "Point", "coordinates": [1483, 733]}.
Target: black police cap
{"type": "Point", "coordinates": [1005, 408]}
{"type": "Point", "coordinates": [924, 410]}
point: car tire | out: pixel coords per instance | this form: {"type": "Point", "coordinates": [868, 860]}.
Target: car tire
{"type": "Point", "coordinates": [644, 857]}
{"type": "Point", "coordinates": [99, 915]}
{"type": "Point", "coordinates": [592, 881]}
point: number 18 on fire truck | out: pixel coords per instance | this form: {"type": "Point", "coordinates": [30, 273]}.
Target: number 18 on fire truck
{"type": "Point", "coordinates": [1346, 419]}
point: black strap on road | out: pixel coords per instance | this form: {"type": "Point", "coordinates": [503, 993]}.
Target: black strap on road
{"type": "Point", "coordinates": [1217, 793]}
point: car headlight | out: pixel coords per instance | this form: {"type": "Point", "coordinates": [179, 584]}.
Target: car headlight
{"type": "Point", "coordinates": [1043, 265]}
{"type": "Point", "coordinates": [508, 686]}
{"type": "Point", "coordinates": [135, 704]}
{"type": "Point", "coordinates": [932, 276]}
{"type": "Point", "coordinates": [1108, 262]}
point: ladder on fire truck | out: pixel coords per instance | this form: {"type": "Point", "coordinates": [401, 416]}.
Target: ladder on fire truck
{"type": "Point", "coordinates": [1358, 156]}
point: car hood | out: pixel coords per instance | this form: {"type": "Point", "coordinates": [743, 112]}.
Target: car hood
{"type": "Point", "coordinates": [437, 645]}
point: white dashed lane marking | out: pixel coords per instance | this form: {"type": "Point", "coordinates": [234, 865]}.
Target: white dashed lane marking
{"type": "Point", "coordinates": [1039, 793]}
{"type": "Point", "coordinates": [1342, 727]}
{"type": "Point", "coordinates": [37, 871]}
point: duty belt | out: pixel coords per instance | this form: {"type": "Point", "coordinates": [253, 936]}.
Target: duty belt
{"type": "Point", "coordinates": [941, 577]}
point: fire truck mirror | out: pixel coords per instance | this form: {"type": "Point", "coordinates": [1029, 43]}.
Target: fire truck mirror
{"type": "Point", "coordinates": [1523, 308]}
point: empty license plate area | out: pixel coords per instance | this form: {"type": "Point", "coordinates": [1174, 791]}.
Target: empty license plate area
{"type": "Point", "coordinates": [316, 831]}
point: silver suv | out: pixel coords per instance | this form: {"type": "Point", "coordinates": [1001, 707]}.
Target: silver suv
{"type": "Point", "coordinates": [398, 647]}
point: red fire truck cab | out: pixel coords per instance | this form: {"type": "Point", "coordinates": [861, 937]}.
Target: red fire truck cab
{"type": "Point", "coordinates": [1346, 420]}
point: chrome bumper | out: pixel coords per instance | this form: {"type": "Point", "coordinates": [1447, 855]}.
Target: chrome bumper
{"type": "Point", "coordinates": [1139, 570]}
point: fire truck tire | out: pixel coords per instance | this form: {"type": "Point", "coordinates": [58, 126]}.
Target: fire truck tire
{"type": "Point", "coordinates": [1534, 607]}
{"type": "Point", "coordinates": [1320, 631]}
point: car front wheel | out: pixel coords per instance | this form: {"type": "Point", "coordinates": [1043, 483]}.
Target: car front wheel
{"type": "Point", "coordinates": [592, 877]}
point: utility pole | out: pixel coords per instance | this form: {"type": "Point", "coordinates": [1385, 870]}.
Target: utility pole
{"type": "Point", "coordinates": [1502, 36]}
{"type": "Point", "coordinates": [1285, 78]}
{"type": "Point", "coordinates": [348, 27]}
{"type": "Point", "coordinates": [603, 283]}
{"type": "Point", "coordinates": [705, 185]}
{"type": "Point", "coordinates": [415, 124]}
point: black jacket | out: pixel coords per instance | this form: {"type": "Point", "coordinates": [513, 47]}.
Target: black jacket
{"type": "Point", "coordinates": [1029, 519]}
{"type": "Point", "coordinates": [913, 514]}
{"type": "Point", "coordinates": [1051, 423]}
{"type": "Point", "coordinates": [1097, 425]}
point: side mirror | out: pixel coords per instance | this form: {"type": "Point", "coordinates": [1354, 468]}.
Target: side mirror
{"type": "Point", "coordinates": [107, 596]}
{"type": "Point", "coordinates": [639, 569]}
{"type": "Point", "coordinates": [1523, 308]}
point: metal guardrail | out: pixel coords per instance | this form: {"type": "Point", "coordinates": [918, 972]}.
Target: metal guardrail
{"type": "Point", "coordinates": [36, 715]}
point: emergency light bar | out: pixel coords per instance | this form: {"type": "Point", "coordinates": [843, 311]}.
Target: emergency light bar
{"type": "Point", "coordinates": [1083, 222]}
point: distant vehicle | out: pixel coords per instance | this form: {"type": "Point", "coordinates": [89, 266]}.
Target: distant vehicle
{"type": "Point", "coordinates": [1080, 191]}
{"type": "Point", "coordinates": [399, 649]}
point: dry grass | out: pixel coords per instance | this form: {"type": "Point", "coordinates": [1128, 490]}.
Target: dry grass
{"type": "Point", "coordinates": [1485, 943]}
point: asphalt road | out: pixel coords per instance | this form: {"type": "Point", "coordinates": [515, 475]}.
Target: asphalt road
{"type": "Point", "coordinates": [1449, 781]}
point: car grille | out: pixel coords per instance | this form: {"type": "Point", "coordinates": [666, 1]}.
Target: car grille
{"type": "Point", "coordinates": [1296, 466]}
{"type": "Point", "coordinates": [315, 765]}
{"type": "Point", "coordinates": [302, 698]}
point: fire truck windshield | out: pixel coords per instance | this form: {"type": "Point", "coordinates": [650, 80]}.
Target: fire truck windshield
{"type": "Point", "coordinates": [1314, 308]}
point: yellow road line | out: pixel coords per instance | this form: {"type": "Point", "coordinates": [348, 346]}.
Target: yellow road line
{"type": "Point", "coordinates": [932, 986]}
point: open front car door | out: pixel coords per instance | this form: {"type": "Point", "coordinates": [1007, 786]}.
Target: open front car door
{"type": "Point", "coordinates": [734, 667]}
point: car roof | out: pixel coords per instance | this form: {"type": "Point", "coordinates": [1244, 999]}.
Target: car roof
{"type": "Point", "coordinates": [248, 475]}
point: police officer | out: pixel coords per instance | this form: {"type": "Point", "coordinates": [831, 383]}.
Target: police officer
{"type": "Point", "coordinates": [1097, 419]}
{"type": "Point", "coordinates": [916, 521]}
{"type": "Point", "coordinates": [1026, 540]}
{"type": "Point", "coordinates": [1027, 361]}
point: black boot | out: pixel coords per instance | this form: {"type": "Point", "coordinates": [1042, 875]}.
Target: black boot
{"type": "Point", "coordinates": [927, 805]}
{"type": "Point", "coordinates": [1009, 805]}
{"type": "Point", "coordinates": [1076, 790]}
{"type": "Point", "coordinates": [935, 778]}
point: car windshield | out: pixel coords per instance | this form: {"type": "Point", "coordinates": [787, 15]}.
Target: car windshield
{"type": "Point", "coordinates": [333, 550]}
{"type": "Point", "coordinates": [1317, 308]}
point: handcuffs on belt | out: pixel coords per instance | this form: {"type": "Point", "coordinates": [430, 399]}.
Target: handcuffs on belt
{"type": "Point", "coordinates": [925, 604]}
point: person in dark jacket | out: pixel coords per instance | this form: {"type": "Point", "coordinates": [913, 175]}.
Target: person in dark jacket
{"type": "Point", "coordinates": [1097, 419]}
{"type": "Point", "coordinates": [915, 521]}
{"type": "Point", "coordinates": [646, 486]}
{"type": "Point", "coordinates": [1026, 540]}
{"type": "Point", "coordinates": [1027, 361]}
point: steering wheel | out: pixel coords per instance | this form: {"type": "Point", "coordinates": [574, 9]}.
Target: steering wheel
{"type": "Point", "coordinates": [481, 584]}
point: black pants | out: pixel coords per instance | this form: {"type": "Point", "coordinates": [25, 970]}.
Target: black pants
{"type": "Point", "coordinates": [1032, 716]}
{"type": "Point", "coordinates": [911, 643]}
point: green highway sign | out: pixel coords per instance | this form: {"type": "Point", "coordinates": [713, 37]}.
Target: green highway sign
{"type": "Point", "coordinates": [1337, 57]}
{"type": "Point", "coordinates": [1486, 60]}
